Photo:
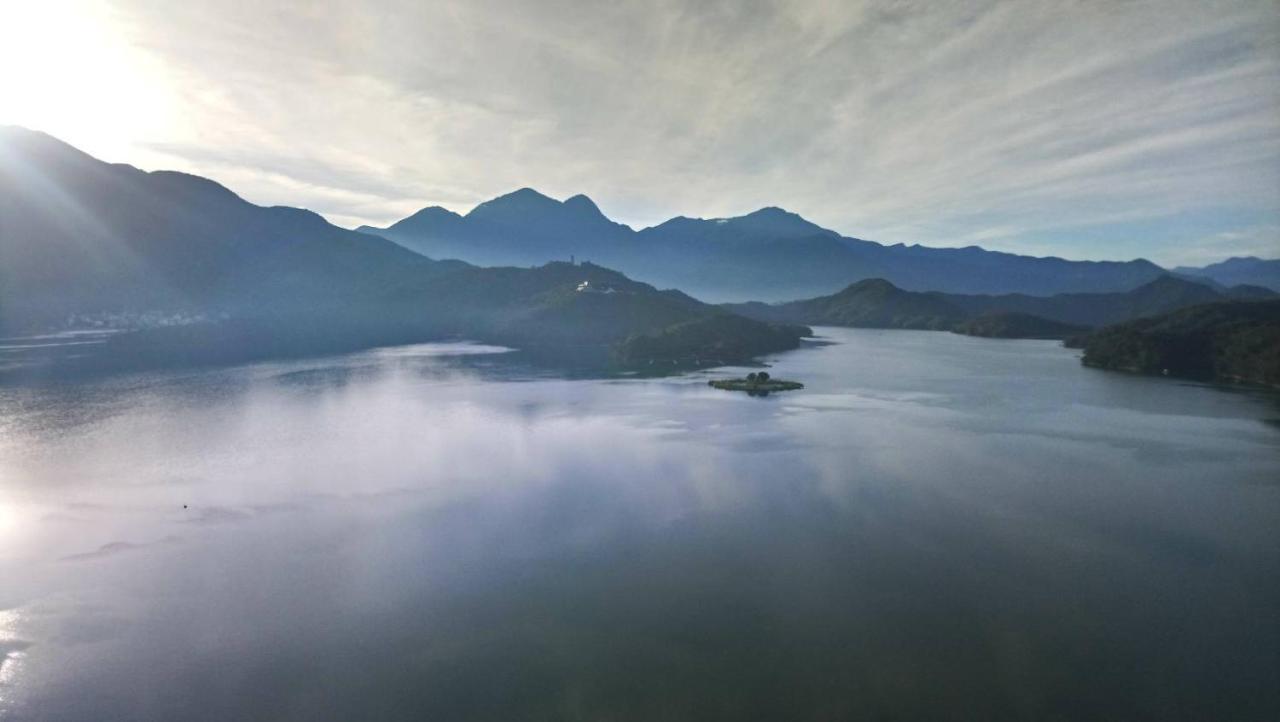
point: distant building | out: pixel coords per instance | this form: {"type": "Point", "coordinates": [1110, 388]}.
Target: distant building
{"type": "Point", "coordinates": [586, 287]}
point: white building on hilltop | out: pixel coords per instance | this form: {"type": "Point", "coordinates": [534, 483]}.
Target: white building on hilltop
{"type": "Point", "coordinates": [586, 287]}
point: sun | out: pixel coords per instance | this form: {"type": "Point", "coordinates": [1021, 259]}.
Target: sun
{"type": "Point", "coordinates": [67, 68]}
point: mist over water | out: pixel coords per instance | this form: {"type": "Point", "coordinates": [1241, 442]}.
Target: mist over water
{"type": "Point", "coordinates": [937, 526]}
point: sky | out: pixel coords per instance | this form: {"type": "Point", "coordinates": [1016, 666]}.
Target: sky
{"type": "Point", "coordinates": [1102, 129]}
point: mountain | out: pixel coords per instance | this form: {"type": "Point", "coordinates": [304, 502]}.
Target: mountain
{"type": "Point", "coordinates": [523, 228]}
{"type": "Point", "coordinates": [1163, 294]}
{"type": "Point", "coordinates": [194, 273]}
{"type": "Point", "coordinates": [1228, 341]}
{"type": "Point", "coordinates": [770, 254]}
{"type": "Point", "coordinates": [874, 303]}
{"type": "Point", "coordinates": [877, 303]}
{"type": "Point", "coordinates": [82, 237]}
{"type": "Point", "coordinates": [1247, 270]}
{"type": "Point", "coordinates": [540, 311]}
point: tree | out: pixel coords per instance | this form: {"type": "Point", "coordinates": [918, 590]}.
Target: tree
{"type": "Point", "coordinates": [762, 377]}
{"type": "Point", "coordinates": [752, 377]}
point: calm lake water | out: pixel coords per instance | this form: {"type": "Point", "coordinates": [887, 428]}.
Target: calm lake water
{"type": "Point", "coordinates": [938, 527]}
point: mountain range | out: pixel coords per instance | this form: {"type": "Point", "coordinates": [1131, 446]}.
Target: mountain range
{"type": "Point", "coordinates": [1249, 270]}
{"type": "Point", "coordinates": [193, 272]}
{"type": "Point", "coordinates": [768, 255]}
{"type": "Point", "coordinates": [877, 303]}
{"type": "Point", "coordinates": [189, 272]}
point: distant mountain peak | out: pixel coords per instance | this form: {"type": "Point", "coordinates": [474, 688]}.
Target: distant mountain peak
{"type": "Point", "coordinates": [529, 209]}
{"type": "Point", "coordinates": [772, 212]}
{"type": "Point", "coordinates": [585, 208]}
{"type": "Point", "coordinates": [524, 200]}
{"type": "Point", "coordinates": [430, 214]}
{"type": "Point", "coordinates": [434, 212]}
{"type": "Point", "coordinates": [1169, 280]}
{"type": "Point", "coordinates": [526, 192]}
{"type": "Point", "coordinates": [429, 220]}
{"type": "Point", "coordinates": [1237, 270]}
{"type": "Point", "coordinates": [869, 284]}
{"type": "Point", "coordinates": [775, 220]}
{"type": "Point", "coordinates": [1229, 263]}
{"type": "Point", "coordinates": [582, 201]}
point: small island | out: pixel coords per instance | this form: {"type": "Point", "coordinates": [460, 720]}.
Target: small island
{"type": "Point", "coordinates": [755, 384]}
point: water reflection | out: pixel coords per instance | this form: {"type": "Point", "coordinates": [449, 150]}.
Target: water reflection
{"type": "Point", "coordinates": [936, 526]}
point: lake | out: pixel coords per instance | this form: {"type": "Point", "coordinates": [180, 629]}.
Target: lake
{"type": "Point", "coordinates": [937, 527]}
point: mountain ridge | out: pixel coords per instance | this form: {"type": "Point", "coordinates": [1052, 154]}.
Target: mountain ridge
{"type": "Point", "coordinates": [191, 272]}
{"type": "Point", "coordinates": [1238, 270]}
{"type": "Point", "coordinates": [877, 303]}
{"type": "Point", "coordinates": [769, 254]}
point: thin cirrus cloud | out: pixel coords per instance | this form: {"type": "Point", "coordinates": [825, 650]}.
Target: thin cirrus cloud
{"type": "Point", "coordinates": [1087, 129]}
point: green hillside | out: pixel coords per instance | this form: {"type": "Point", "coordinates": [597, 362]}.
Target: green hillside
{"type": "Point", "coordinates": [1232, 341]}
{"type": "Point", "coordinates": [877, 303]}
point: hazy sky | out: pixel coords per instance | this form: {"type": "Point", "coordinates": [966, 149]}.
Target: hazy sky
{"type": "Point", "coordinates": [1107, 129]}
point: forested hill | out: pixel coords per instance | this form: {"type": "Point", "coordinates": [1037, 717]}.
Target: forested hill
{"type": "Point", "coordinates": [1230, 341]}
{"type": "Point", "coordinates": [879, 304]}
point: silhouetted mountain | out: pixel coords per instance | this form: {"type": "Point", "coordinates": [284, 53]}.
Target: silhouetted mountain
{"type": "Point", "coordinates": [766, 224]}
{"type": "Point", "coordinates": [775, 222]}
{"type": "Point", "coordinates": [523, 228]}
{"type": "Point", "coordinates": [197, 273]}
{"type": "Point", "coordinates": [424, 221]}
{"type": "Point", "coordinates": [83, 237]}
{"type": "Point", "coordinates": [1166, 293]}
{"type": "Point", "coordinates": [879, 304]}
{"type": "Point", "coordinates": [1246, 270]}
{"type": "Point", "coordinates": [770, 254]}
{"type": "Point", "coordinates": [1229, 341]}
{"type": "Point", "coordinates": [874, 303]}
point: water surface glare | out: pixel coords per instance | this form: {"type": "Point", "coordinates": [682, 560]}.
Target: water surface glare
{"type": "Point", "coordinates": [936, 527]}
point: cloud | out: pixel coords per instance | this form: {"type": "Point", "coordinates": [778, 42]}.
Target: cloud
{"type": "Point", "coordinates": [112, 549]}
{"type": "Point", "coordinates": [209, 515]}
{"type": "Point", "coordinates": [1011, 121]}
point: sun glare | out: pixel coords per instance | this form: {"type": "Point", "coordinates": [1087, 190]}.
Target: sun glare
{"type": "Point", "coordinates": [8, 517]}
{"type": "Point", "coordinates": [68, 69]}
